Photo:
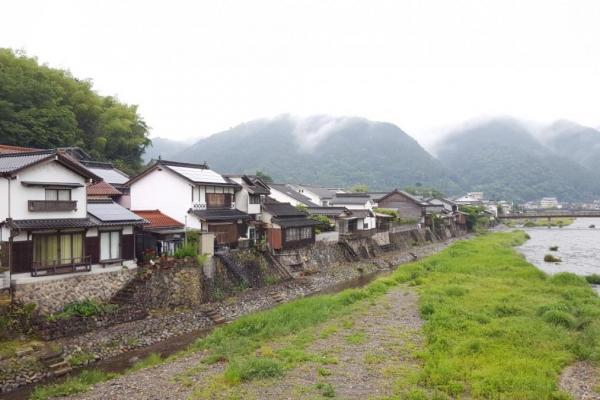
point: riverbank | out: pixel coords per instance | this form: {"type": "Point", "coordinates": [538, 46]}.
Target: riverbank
{"type": "Point", "coordinates": [488, 314]}
{"type": "Point", "coordinates": [118, 341]}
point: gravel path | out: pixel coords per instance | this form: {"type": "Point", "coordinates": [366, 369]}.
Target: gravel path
{"type": "Point", "coordinates": [374, 349]}
{"type": "Point", "coordinates": [580, 380]}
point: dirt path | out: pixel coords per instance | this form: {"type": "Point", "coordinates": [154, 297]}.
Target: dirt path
{"type": "Point", "coordinates": [580, 380]}
{"type": "Point", "coordinates": [370, 353]}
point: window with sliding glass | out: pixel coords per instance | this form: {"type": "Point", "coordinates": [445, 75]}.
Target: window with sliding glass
{"type": "Point", "coordinates": [110, 245]}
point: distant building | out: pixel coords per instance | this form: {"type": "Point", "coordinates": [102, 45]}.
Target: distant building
{"type": "Point", "coordinates": [549, 202]}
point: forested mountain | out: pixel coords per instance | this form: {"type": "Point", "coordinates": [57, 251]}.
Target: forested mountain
{"type": "Point", "coordinates": [44, 107]}
{"type": "Point", "coordinates": [503, 159]}
{"type": "Point", "coordinates": [323, 150]}
{"type": "Point", "coordinates": [577, 142]}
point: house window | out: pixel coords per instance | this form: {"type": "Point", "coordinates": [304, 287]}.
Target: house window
{"type": "Point", "coordinates": [218, 200]}
{"type": "Point", "coordinates": [58, 249]}
{"type": "Point", "coordinates": [254, 199]}
{"type": "Point", "coordinates": [110, 245]}
{"type": "Point", "coordinates": [58, 194]}
{"type": "Point", "coordinates": [294, 234]}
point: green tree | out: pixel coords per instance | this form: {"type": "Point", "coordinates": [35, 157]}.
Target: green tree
{"type": "Point", "coordinates": [45, 107]}
{"type": "Point", "coordinates": [360, 188]}
{"type": "Point", "coordinates": [264, 176]}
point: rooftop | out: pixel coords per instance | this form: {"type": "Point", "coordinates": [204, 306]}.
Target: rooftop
{"type": "Point", "coordinates": [290, 192]}
{"type": "Point", "coordinates": [8, 149]}
{"type": "Point", "coordinates": [158, 220]}
{"type": "Point", "coordinates": [107, 212]}
{"type": "Point", "coordinates": [220, 214]}
{"type": "Point", "coordinates": [12, 163]}
{"type": "Point", "coordinates": [283, 210]}
{"type": "Point", "coordinates": [107, 172]}
{"type": "Point", "coordinates": [195, 173]}
{"type": "Point", "coordinates": [102, 189]}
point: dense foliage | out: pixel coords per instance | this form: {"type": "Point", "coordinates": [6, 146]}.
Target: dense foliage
{"type": "Point", "coordinates": [354, 151]}
{"type": "Point", "coordinates": [43, 107]}
{"type": "Point", "coordinates": [505, 161]}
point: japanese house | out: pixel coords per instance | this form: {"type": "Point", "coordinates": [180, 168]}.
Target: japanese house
{"type": "Point", "coordinates": [45, 224]}
{"type": "Point", "coordinates": [193, 194]}
{"type": "Point", "coordinates": [249, 199]}
{"type": "Point", "coordinates": [287, 227]}
{"type": "Point", "coordinates": [361, 208]}
{"type": "Point", "coordinates": [409, 207]}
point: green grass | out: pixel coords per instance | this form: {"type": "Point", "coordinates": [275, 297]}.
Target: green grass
{"type": "Point", "coordinates": [513, 328]}
{"type": "Point", "coordinates": [496, 327]}
{"type": "Point", "coordinates": [540, 222]}
{"type": "Point", "coordinates": [71, 386]}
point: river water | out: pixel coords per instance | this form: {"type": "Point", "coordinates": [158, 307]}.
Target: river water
{"type": "Point", "coordinates": [578, 247]}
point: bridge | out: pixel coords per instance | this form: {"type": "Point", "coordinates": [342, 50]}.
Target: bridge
{"type": "Point", "coordinates": [553, 214]}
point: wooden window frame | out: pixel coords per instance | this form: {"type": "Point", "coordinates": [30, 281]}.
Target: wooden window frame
{"type": "Point", "coordinates": [109, 260]}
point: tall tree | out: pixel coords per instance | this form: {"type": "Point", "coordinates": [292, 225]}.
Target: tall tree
{"type": "Point", "coordinates": [46, 107]}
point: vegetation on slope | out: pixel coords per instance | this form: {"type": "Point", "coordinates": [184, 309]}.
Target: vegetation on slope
{"type": "Point", "coordinates": [502, 159]}
{"type": "Point", "coordinates": [44, 107]}
{"type": "Point", "coordinates": [324, 150]}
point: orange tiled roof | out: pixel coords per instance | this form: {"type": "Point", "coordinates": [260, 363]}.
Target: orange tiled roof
{"type": "Point", "coordinates": [158, 219]}
{"type": "Point", "coordinates": [8, 149]}
{"type": "Point", "coordinates": [102, 189]}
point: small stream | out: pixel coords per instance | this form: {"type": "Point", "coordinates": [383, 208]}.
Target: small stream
{"type": "Point", "coordinates": [170, 346]}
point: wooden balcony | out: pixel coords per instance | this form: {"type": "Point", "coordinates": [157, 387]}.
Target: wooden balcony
{"type": "Point", "coordinates": [52, 205]}
{"type": "Point", "coordinates": [63, 266]}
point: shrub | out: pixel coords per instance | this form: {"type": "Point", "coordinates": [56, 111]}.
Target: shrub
{"type": "Point", "coordinates": [567, 278]}
{"type": "Point", "coordinates": [593, 279]}
{"type": "Point", "coordinates": [86, 308]}
{"type": "Point", "coordinates": [560, 318]}
{"type": "Point", "coordinates": [187, 250]}
{"type": "Point", "coordinates": [253, 368]}
{"type": "Point", "coordinates": [327, 389]}
{"type": "Point", "coordinates": [551, 258]}
{"type": "Point", "coordinates": [529, 224]}
{"type": "Point", "coordinates": [553, 248]}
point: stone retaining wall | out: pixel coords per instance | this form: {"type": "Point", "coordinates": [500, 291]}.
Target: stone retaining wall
{"type": "Point", "coordinates": [53, 293]}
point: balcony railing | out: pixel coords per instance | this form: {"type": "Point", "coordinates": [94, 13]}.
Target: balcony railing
{"type": "Point", "coordinates": [52, 205]}
{"type": "Point", "coordinates": [62, 266]}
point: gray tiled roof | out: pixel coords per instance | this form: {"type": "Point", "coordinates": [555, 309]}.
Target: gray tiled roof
{"type": "Point", "coordinates": [287, 190]}
{"type": "Point", "coordinates": [294, 222]}
{"type": "Point", "coordinates": [220, 214]}
{"type": "Point", "coordinates": [283, 210]}
{"type": "Point", "coordinates": [110, 175]}
{"type": "Point", "coordinates": [17, 161]}
{"type": "Point", "coordinates": [322, 192]}
{"type": "Point", "coordinates": [27, 224]}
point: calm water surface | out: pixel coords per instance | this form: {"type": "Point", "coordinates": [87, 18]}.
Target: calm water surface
{"type": "Point", "coordinates": [578, 247]}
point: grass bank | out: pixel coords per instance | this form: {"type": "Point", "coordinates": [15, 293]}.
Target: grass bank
{"type": "Point", "coordinates": [496, 327]}
{"type": "Point", "coordinates": [539, 222]}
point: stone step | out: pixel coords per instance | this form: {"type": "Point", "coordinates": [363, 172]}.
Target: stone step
{"type": "Point", "coordinates": [24, 351]}
{"type": "Point", "coordinates": [62, 371]}
{"type": "Point", "coordinates": [59, 365]}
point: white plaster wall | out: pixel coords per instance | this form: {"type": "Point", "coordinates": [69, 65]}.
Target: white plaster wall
{"type": "Point", "coordinates": [3, 199]}
{"type": "Point", "coordinates": [92, 232]}
{"type": "Point", "coordinates": [165, 191]}
{"type": "Point", "coordinates": [47, 172]}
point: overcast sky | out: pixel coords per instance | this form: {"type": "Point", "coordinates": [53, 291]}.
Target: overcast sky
{"type": "Point", "coordinates": [196, 68]}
